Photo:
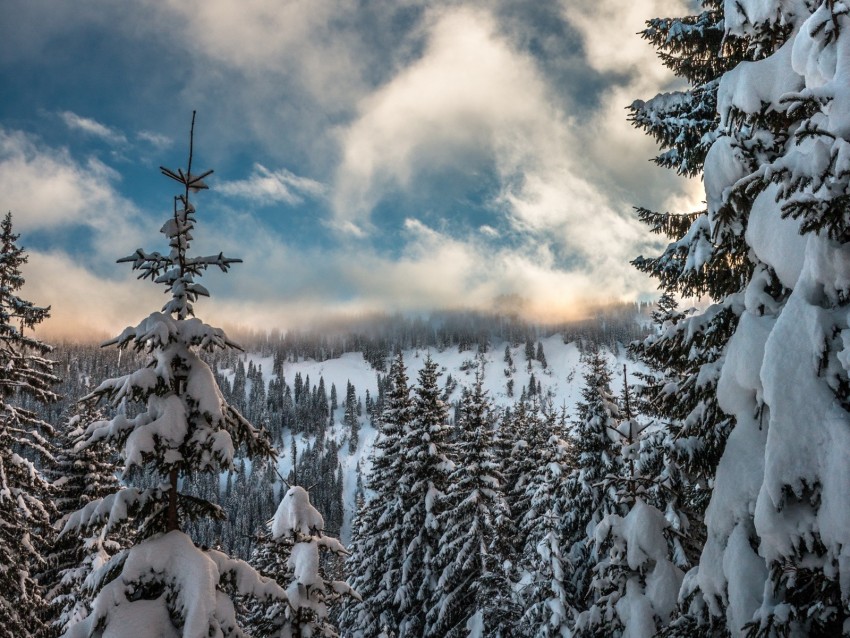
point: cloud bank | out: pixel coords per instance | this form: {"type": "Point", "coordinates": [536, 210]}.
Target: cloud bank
{"type": "Point", "coordinates": [435, 152]}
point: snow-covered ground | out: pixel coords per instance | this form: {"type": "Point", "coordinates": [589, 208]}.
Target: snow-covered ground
{"type": "Point", "coordinates": [561, 379]}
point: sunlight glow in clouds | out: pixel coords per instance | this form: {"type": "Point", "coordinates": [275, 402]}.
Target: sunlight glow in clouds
{"type": "Point", "coordinates": [345, 122]}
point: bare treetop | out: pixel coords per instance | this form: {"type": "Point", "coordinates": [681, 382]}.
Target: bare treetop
{"type": "Point", "coordinates": [177, 270]}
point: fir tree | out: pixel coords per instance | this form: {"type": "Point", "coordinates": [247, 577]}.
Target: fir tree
{"type": "Point", "coordinates": [786, 374]}
{"type": "Point", "coordinates": [688, 351]}
{"type": "Point", "coordinates": [291, 553]}
{"type": "Point", "coordinates": [541, 356]}
{"type": "Point", "coordinates": [350, 419]}
{"type": "Point", "coordinates": [25, 375]}
{"type": "Point", "coordinates": [78, 478]}
{"type": "Point", "coordinates": [182, 427]}
{"type": "Point", "coordinates": [635, 582]}
{"type": "Point", "coordinates": [424, 482]}
{"type": "Point", "coordinates": [588, 492]}
{"type": "Point", "coordinates": [378, 552]}
{"type": "Point", "coordinates": [474, 587]}
{"type": "Point", "coordinates": [546, 595]}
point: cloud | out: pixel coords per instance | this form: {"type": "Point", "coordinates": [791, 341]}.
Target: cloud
{"type": "Point", "coordinates": [314, 44]}
{"type": "Point", "coordinates": [467, 97]}
{"type": "Point", "coordinates": [619, 154]}
{"type": "Point", "coordinates": [45, 187]}
{"type": "Point", "coordinates": [432, 269]}
{"type": "Point", "coordinates": [92, 127]}
{"type": "Point", "coordinates": [157, 140]}
{"type": "Point", "coordinates": [74, 206]}
{"type": "Point", "coordinates": [265, 187]}
{"type": "Point", "coordinates": [471, 94]}
{"type": "Point", "coordinates": [82, 304]}
{"type": "Point", "coordinates": [379, 106]}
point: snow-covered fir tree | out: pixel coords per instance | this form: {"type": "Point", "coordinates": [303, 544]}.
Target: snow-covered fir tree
{"type": "Point", "coordinates": [776, 187]}
{"type": "Point", "coordinates": [779, 178]}
{"type": "Point", "coordinates": [350, 418]}
{"type": "Point", "coordinates": [545, 595]}
{"type": "Point", "coordinates": [589, 494]}
{"type": "Point", "coordinates": [25, 511]}
{"type": "Point", "coordinates": [686, 353]}
{"type": "Point", "coordinates": [474, 594]}
{"type": "Point", "coordinates": [378, 551]}
{"type": "Point", "coordinates": [423, 484]}
{"type": "Point", "coordinates": [291, 553]}
{"type": "Point", "coordinates": [164, 585]}
{"type": "Point", "coordinates": [78, 478]}
{"type": "Point", "coordinates": [525, 435]}
{"type": "Point", "coordinates": [635, 582]}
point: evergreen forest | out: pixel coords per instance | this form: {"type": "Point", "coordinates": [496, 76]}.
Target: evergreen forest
{"type": "Point", "coordinates": [673, 469]}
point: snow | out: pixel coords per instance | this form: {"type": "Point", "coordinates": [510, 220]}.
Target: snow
{"type": "Point", "coordinates": [296, 514]}
{"type": "Point", "coordinates": [753, 86]}
{"type": "Point", "coordinates": [141, 619]}
{"type": "Point", "coordinates": [812, 58]}
{"type": "Point", "coordinates": [475, 625]}
{"type": "Point", "coordinates": [747, 574]}
{"type": "Point", "coordinates": [635, 612]}
{"type": "Point", "coordinates": [192, 576]}
{"type": "Point", "coordinates": [739, 478]}
{"type": "Point", "coordinates": [776, 241]}
{"type": "Point", "coordinates": [642, 530]}
{"type": "Point", "coordinates": [724, 165]}
{"type": "Point", "coordinates": [561, 378]}
{"type": "Point", "coordinates": [304, 562]}
{"type": "Point", "coordinates": [742, 15]}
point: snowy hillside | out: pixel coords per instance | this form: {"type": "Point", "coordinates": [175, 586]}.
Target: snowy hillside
{"type": "Point", "coordinates": [559, 380]}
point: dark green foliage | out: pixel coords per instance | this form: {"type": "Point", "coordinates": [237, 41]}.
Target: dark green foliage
{"type": "Point", "coordinates": [26, 377]}
{"type": "Point", "coordinates": [476, 543]}
{"type": "Point", "coordinates": [378, 547]}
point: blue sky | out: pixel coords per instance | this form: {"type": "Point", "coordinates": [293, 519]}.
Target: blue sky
{"type": "Point", "coordinates": [377, 155]}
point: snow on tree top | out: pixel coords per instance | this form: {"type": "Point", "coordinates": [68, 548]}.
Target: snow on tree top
{"type": "Point", "coordinates": [296, 514]}
{"type": "Point", "coordinates": [160, 329]}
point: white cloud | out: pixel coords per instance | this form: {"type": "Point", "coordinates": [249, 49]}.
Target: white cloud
{"type": "Point", "coordinates": [617, 153]}
{"type": "Point", "coordinates": [158, 141]}
{"type": "Point", "coordinates": [268, 187]}
{"type": "Point", "coordinates": [471, 92]}
{"type": "Point", "coordinates": [92, 127]}
{"type": "Point", "coordinates": [283, 285]}
{"type": "Point", "coordinates": [83, 305]}
{"type": "Point", "coordinates": [308, 41]}
{"type": "Point", "coordinates": [468, 95]}
{"type": "Point", "coordinates": [46, 188]}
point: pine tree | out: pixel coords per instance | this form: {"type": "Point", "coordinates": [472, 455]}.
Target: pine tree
{"type": "Point", "coordinates": [182, 426]}
{"type": "Point", "coordinates": [546, 596]}
{"type": "Point", "coordinates": [786, 373]}
{"type": "Point", "coordinates": [350, 419]}
{"type": "Point", "coordinates": [378, 552]}
{"type": "Point", "coordinates": [474, 587]}
{"type": "Point", "coordinates": [541, 356]}
{"type": "Point", "coordinates": [635, 582]}
{"type": "Point", "coordinates": [529, 350]}
{"type": "Point", "coordinates": [588, 493]}
{"type": "Point", "coordinates": [25, 375]}
{"type": "Point", "coordinates": [291, 553]}
{"type": "Point", "coordinates": [776, 184]}
{"type": "Point", "coordinates": [530, 432]}
{"type": "Point", "coordinates": [424, 482]}
{"type": "Point", "coordinates": [78, 478]}
{"type": "Point", "coordinates": [688, 351]}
